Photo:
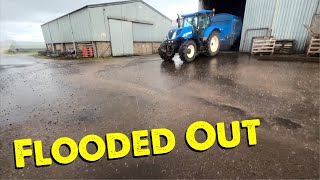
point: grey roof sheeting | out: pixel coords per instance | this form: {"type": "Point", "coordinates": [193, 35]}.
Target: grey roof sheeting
{"type": "Point", "coordinates": [110, 4]}
{"type": "Point", "coordinates": [91, 23]}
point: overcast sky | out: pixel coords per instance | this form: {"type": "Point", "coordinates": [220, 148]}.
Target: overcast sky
{"type": "Point", "coordinates": [21, 19]}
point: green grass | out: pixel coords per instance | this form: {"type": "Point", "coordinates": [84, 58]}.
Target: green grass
{"type": "Point", "coordinates": [9, 52]}
{"type": "Point", "coordinates": [36, 55]}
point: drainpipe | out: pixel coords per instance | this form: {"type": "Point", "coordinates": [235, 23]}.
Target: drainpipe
{"type": "Point", "coordinates": [74, 44]}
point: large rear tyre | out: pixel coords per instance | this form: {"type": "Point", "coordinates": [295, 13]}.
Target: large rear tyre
{"type": "Point", "coordinates": [163, 54]}
{"type": "Point", "coordinates": [188, 51]}
{"type": "Point", "coordinates": [213, 44]}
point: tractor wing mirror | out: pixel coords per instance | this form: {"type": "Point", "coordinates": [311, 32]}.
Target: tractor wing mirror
{"type": "Point", "coordinates": [178, 21]}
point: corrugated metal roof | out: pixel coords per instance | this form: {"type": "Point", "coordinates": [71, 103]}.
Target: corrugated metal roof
{"type": "Point", "coordinates": [110, 4]}
{"type": "Point", "coordinates": [92, 23]}
{"type": "Point", "coordinates": [284, 18]}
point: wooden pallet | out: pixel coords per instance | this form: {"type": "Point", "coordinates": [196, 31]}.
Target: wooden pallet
{"type": "Point", "coordinates": [285, 46]}
{"type": "Point", "coordinates": [264, 45]}
{"type": "Point", "coordinates": [314, 46]}
{"type": "Point", "coordinates": [85, 50]}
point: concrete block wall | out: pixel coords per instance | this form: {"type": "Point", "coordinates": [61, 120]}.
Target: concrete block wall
{"type": "Point", "coordinates": [142, 48]}
{"type": "Point", "coordinates": [49, 47]}
{"type": "Point", "coordinates": [315, 24]}
{"type": "Point", "coordinates": [59, 47]}
{"type": "Point", "coordinates": [145, 48]}
{"type": "Point", "coordinates": [68, 46]}
{"type": "Point", "coordinates": [155, 47]}
{"type": "Point", "coordinates": [103, 49]}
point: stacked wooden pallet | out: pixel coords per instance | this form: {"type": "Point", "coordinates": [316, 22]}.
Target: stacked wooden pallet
{"type": "Point", "coordinates": [314, 46]}
{"type": "Point", "coordinates": [263, 45]}
{"type": "Point", "coordinates": [85, 50]}
{"type": "Point", "coordinates": [285, 46]}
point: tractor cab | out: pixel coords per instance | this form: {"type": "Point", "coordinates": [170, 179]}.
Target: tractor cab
{"type": "Point", "coordinates": [199, 21]}
{"type": "Point", "coordinates": [191, 25]}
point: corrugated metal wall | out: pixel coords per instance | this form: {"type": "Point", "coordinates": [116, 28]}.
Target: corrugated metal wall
{"type": "Point", "coordinates": [318, 9]}
{"type": "Point", "coordinates": [133, 12]}
{"type": "Point", "coordinates": [65, 29]}
{"type": "Point", "coordinates": [91, 24]}
{"type": "Point", "coordinates": [255, 18]}
{"type": "Point", "coordinates": [46, 33]}
{"type": "Point", "coordinates": [284, 18]}
{"type": "Point", "coordinates": [99, 24]}
{"type": "Point", "coordinates": [81, 25]}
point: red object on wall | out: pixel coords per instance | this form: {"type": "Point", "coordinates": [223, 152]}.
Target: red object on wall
{"type": "Point", "coordinates": [84, 52]}
{"type": "Point", "coordinates": [91, 52]}
{"type": "Point", "coordinates": [87, 52]}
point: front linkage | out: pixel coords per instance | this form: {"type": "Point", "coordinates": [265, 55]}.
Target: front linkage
{"type": "Point", "coordinates": [169, 48]}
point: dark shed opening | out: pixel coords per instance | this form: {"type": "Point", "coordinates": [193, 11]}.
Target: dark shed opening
{"type": "Point", "coordinates": [234, 7]}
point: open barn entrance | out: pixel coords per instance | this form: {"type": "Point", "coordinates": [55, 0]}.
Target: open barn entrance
{"type": "Point", "coordinates": [234, 7]}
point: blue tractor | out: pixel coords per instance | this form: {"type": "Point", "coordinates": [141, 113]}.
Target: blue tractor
{"type": "Point", "coordinates": [201, 32]}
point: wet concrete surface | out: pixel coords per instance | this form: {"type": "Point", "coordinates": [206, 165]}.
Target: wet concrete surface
{"type": "Point", "coordinates": [48, 99]}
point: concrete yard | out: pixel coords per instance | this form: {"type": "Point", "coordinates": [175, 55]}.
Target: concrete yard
{"type": "Point", "coordinates": [47, 99]}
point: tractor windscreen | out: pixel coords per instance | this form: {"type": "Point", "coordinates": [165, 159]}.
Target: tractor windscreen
{"type": "Point", "coordinates": [190, 21]}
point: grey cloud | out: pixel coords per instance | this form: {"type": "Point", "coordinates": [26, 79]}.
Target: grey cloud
{"type": "Point", "coordinates": [40, 10]}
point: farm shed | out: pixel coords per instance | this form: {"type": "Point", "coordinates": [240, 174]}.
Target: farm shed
{"type": "Point", "coordinates": [118, 29]}
{"type": "Point", "coordinates": [282, 19]}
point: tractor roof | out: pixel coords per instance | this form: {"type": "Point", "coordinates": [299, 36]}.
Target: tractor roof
{"type": "Point", "coordinates": [196, 13]}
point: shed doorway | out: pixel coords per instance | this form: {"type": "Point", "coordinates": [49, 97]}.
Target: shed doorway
{"type": "Point", "coordinates": [234, 7]}
{"type": "Point", "coordinates": [121, 37]}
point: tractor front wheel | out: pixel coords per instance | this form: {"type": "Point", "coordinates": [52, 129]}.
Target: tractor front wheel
{"type": "Point", "coordinates": [213, 44]}
{"type": "Point", "coordinates": [163, 52]}
{"type": "Point", "coordinates": [188, 51]}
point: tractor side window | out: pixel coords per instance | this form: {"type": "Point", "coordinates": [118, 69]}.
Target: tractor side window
{"type": "Point", "coordinates": [204, 21]}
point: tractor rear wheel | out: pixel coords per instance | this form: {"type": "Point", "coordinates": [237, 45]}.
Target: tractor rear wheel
{"type": "Point", "coordinates": [188, 51]}
{"type": "Point", "coordinates": [213, 44]}
{"type": "Point", "coordinates": [163, 54]}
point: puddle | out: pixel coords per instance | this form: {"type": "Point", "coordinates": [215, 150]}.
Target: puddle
{"type": "Point", "coordinates": [287, 123]}
{"type": "Point", "coordinates": [223, 107]}
{"type": "Point", "coordinates": [15, 61]}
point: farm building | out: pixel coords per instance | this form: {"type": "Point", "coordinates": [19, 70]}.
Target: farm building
{"type": "Point", "coordinates": [118, 29]}
{"type": "Point", "coordinates": [285, 20]}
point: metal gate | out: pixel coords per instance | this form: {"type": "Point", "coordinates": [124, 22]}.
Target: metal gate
{"type": "Point", "coordinates": [121, 37]}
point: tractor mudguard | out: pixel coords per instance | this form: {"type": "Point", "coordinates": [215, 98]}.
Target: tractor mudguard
{"type": "Point", "coordinates": [209, 30]}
